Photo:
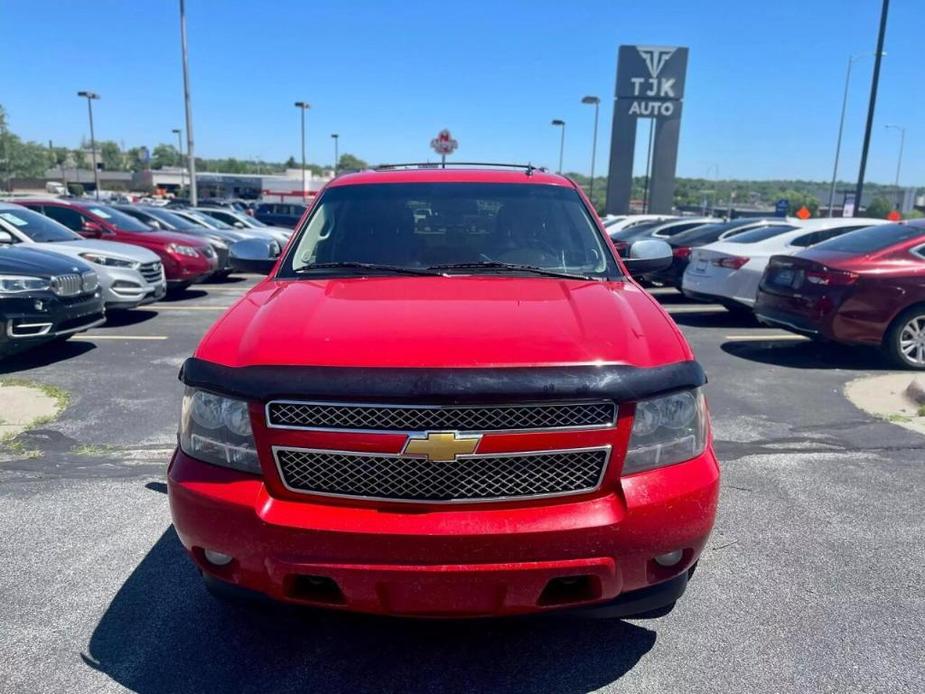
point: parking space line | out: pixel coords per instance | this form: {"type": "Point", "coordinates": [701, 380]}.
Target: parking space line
{"type": "Point", "coordinates": [767, 338]}
{"type": "Point", "coordinates": [706, 308]}
{"type": "Point", "coordinates": [657, 291]}
{"type": "Point", "coordinates": [93, 336]}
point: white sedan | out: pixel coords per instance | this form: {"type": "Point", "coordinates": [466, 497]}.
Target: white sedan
{"type": "Point", "coordinates": [728, 272]}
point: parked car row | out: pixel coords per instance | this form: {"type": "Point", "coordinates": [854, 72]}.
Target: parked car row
{"type": "Point", "coordinates": [850, 280]}
{"type": "Point", "coordinates": [64, 263]}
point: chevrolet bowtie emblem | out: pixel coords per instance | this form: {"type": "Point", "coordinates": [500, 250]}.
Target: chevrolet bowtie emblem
{"type": "Point", "coordinates": [441, 446]}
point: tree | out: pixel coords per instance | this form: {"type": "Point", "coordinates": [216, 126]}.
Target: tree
{"type": "Point", "coordinates": [798, 200]}
{"type": "Point", "coordinates": [111, 156]}
{"type": "Point", "coordinates": [348, 162]}
{"type": "Point", "coordinates": [165, 155]}
{"type": "Point", "coordinates": [879, 207]}
{"type": "Point", "coordinates": [291, 163]}
{"type": "Point", "coordinates": [80, 159]}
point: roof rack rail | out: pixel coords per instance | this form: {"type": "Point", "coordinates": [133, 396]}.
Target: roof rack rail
{"type": "Point", "coordinates": [528, 168]}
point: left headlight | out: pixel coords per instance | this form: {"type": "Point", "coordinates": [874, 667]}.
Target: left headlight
{"type": "Point", "coordinates": [14, 284]}
{"type": "Point", "coordinates": [180, 249]}
{"type": "Point", "coordinates": [667, 430]}
{"type": "Point", "coordinates": [217, 430]}
{"type": "Point", "coordinates": [107, 260]}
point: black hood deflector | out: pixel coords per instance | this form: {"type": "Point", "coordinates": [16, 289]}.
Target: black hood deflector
{"type": "Point", "coordinates": [450, 386]}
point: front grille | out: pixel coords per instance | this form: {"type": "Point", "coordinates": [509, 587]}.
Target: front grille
{"type": "Point", "coordinates": [475, 478]}
{"type": "Point", "coordinates": [152, 272]}
{"type": "Point", "coordinates": [222, 258]}
{"type": "Point", "coordinates": [208, 252]}
{"type": "Point", "coordinates": [307, 415]}
{"type": "Point", "coordinates": [67, 285]}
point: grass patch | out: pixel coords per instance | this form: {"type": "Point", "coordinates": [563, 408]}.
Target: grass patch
{"type": "Point", "coordinates": [93, 449]}
{"type": "Point", "coordinates": [61, 397]}
{"type": "Point", "coordinates": [898, 418]}
{"type": "Point", "coordinates": [921, 411]}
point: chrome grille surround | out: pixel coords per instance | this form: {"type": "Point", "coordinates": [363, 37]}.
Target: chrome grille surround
{"type": "Point", "coordinates": [152, 272]}
{"type": "Point", "coordinates": [469, 479]}
{"type": "Point", "coordinates": [326, 416]}
{"type": "Point", "coordinates": [67, 285]}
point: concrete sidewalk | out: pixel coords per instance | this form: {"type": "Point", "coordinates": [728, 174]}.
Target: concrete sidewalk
{"type": "Point", "coordinates": [24, 405]}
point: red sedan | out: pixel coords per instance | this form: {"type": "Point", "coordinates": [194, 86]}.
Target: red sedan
{"type": "Point", "coordinates": [866, 287]}
{"type": "Point", "coordinates": [186, 259]}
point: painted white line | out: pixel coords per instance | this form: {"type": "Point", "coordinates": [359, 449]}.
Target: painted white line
{"type": "Point", "coordinates": [163, 307]}
{"type": "Point", "coordinates": [706, 308]}
{"type": "Point", "coordinates": [657, 291]}
{"type": "Point", "coordinates": [118, 337]}
{"type": "Point", "coordinates": [767, 338]}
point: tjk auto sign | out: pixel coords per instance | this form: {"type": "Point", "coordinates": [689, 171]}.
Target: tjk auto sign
{"type": "Point", "coordinates": [650, 84]}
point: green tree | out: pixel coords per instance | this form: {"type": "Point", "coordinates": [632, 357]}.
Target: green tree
{"type": "Point", "coordinates": [291, 163]}
{"type": "Point", "coordinates": [80, 159]}
{"type": "Point", "coordinates": [111, 156]}
{"type": "Point", "coordinates": [348, 162]}
{"type": "Point", "coordinates": [165, 155]}
{"type": "Point", "coordinates": [879, 207]}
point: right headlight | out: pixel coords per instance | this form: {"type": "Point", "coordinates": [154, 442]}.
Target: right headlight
{"type": "Point", "coordinates": [101, 259]}
{"type": "Point", "coordinates": [217, 430]}
{"type": "Point", "coordinates": [667, 430]}
{"type": "Point", "coordinates": [14, 284]}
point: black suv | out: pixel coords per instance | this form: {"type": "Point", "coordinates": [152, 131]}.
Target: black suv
{"type": "Point", "coordinates": [45, 296]}
{"type": "Point", "coordinates": [279, 214]}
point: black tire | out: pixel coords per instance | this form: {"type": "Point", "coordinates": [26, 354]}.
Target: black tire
{"type": "Point", "coordinates": [899, 331]}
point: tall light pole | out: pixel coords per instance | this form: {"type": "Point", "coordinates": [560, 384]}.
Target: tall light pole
{"type": "Point", "coordinates": [560, 124]}
{"type": "Point", "coordinates": [841, 127]}
{"type": "Point", "coordinates": [872, 104]}
{"type": "Point", "coordinates": [303, 106]}
{"type": "Point", "coordinates": [90, 96]}
{"type": "Point", "coordinates": [899, 162]}
{"type": "Point", "coordinates": [190, 156]}
{"type": "Point", "coordinates": [179, 133]}
{"type": "Point", "coordinates": [335, 137]}
{"type": "Point", "coordinates": [596, 102]}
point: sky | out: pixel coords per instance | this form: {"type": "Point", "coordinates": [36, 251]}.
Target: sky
{"type": "Point", "coordinates": [763, 95]}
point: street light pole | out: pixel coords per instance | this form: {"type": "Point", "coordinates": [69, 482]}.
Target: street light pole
{"type": "Point", "coordinates": [190, 156]}
{"type": "Point", "coordinates": [303, 106]}
{"type": "Point", "coordinates": [335, 137]}
{"type": "Point", "coordinates": [179, 133]}
{"type": "Point", "coordinates": [597, 107]}
{"type": "Point", "coordinates": [90, 96]}
{"type": "Point", "coordinates": [899, 162]}
{"type": "Point", "coordinates": [872, 104]}
{"type": "Point", "coordinates": [561, 124]}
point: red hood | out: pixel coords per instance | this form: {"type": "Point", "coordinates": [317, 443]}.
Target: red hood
{"type": "Point", "coordinates": [162, 238]}
{"type": "Point", "coordinates": [443, 322]}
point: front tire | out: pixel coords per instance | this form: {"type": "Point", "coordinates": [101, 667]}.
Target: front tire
{"type": "Point", "coordinates": [904, 342]}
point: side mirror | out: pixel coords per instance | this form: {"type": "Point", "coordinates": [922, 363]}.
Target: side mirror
{"type": "Point", "coordinates": [649, 255]}
{"type": "Point", "coordinates": [240, 225]}
{"type": "Point", "coordinates": [91, 229]}
{"type": "Point", "coordinates": [5, 236]}
{"type": "Point", "coordinates": [155, 224]}
{"type": "Point", "coordinates": [253, 255]}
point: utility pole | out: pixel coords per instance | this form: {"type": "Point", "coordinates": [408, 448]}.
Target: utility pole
{"type": "Point", "coordinates": [560, 124]}
{"type": "Point", "coordinates": [596, 102]}
{"type": "Point", "coordinates": [90, 97]}
{"type": "Point", "coordinates": [303, 106]}
{"type": "Point", "coordinates": [335, 137]}
{"type": "Point", "coordinates": [872, 105]}
{"type": "Point", "coordinates": [190, 156]}
{"type": "Point", "coordinates": [179, 133]}
{"type": "Point", "coordinates": [899, 162]}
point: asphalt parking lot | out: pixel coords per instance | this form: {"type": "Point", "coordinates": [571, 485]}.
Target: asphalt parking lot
{"type": "Point", "coordinates": [812, 581]}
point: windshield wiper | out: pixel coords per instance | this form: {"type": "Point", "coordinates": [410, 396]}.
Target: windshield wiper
{"type": "Point", "coordinates": [513, 267]}
{"type": "Point", "coordinates": [376, 267]}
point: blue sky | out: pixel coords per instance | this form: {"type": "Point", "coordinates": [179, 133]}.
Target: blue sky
{"type": "Point", "coordinates": [764, 78]}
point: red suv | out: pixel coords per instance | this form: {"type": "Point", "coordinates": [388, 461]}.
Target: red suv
{"type": "Point", "coordinates": [185, 259]}
{"type": "Point", "coordinates": [448, 399]}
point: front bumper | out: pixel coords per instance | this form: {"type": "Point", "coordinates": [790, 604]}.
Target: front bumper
{"type": "Point", "coordinates": [36, 317]}
{"type": "Point", "coordinates": [125, 288]}
{"type": "Point", "coordinates": [456, 562]}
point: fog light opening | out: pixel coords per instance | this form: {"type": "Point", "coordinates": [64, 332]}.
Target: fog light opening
{"type": "Point", "coordinates": [669, 558]}
{"type": "Point", "coordinates": [217, 558]}
{"type": "Point", "coordinates": [316, 589]}
{"type": "Point", "coordinates": [569, 589]}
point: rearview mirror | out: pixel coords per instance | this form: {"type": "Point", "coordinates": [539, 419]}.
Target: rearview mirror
{"type": "Point", "coordinates": [5, 236]}
{"type": "Point", "coordinates": [649, 255]}
{"type": "Point", "coordinates": [253, 255]}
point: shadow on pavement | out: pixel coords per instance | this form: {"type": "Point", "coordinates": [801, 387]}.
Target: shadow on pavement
{"type": "Point", "coordinates": [809, 355]}
{"type": "Point", "coordinates": [228, 279]}
{"type": "Point", "coordinates": [164, 633]}
{"type": "Point", "coordinates": [43, 355]}
{"type": "Point", "coordinates": [183, 295]}
{"type": "Point", "coordinates": [120, 319]}
{"type": "Point", "coordinates": [716, 319]}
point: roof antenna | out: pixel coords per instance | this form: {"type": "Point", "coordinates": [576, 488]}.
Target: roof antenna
{"type": "Point", "coordinates": [530, 169]}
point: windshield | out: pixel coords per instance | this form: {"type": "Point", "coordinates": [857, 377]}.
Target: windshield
{"type": "Point", "coordinates": [119, 219]}
{"type": "Point", "coordinates": [208, 220]}
{"type": "Point", "coordinates": [487, 225]}
{"type": "Point", "coordinates": [871, 239]}
{"type": "Point", "coordinates": [37, 227]}
{"type": "Point", "coordinates": [760, 234]}
{"type": "Point", "coordinates": [635, 230]}
{"type": "Point", "coordinates": [173, 221]}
